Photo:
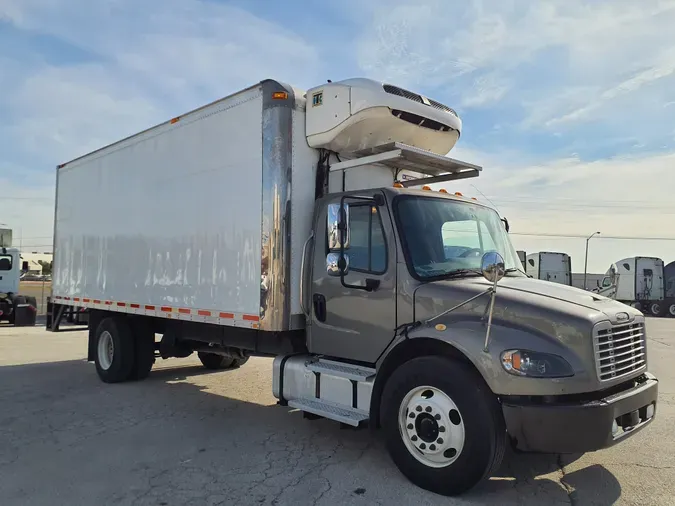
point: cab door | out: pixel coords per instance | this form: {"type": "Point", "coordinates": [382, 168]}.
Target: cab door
{"type": "Point", "coordinates": [353, 312]}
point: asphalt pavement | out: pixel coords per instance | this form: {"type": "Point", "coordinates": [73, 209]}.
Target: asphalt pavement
{"type": "Point", "coordinates": [186, 436]}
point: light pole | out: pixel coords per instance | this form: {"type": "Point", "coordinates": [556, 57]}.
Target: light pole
{"type": "Point", "coordinates": [586, 257]}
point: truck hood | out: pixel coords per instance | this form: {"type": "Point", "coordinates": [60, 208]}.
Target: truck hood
{"type": "Point", "coordinates": [515, 294]}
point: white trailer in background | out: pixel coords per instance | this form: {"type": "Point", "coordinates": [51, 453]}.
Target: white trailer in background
{"type": "Point", "coordinates": [550, 266]}
{"type": "Point", "coordinates": [637, 282]}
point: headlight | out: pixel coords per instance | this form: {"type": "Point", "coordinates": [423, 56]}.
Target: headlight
{"type": "Point", "coordinates": [535, 365]}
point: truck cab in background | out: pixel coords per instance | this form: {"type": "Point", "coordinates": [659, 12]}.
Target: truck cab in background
{"type": "Point", "coordinates": [16, 309]}
{"type": "Point", "coordinates": [312, 235]}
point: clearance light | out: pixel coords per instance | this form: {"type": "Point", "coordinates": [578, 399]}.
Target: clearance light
{"type": "Point", "coordinates": [425, 187]}
{"type": "Point", "coordinates": [174, 120]}
{"type": "Point", "coordinates": [474, 198]}
{"type": "Point", "coordinates": [279, 95]}
{"type": "Point", "coordinates": [459, 194]}
{"type": "Point", "coordinates": [442, 190]}
{"type": "Point", "coordinates": [398, 185]}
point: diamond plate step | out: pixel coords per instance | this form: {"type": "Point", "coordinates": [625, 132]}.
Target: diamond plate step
{"type": "Point", "coordinates": [327, 410]}
{"type": "Point", "coordinates": [342, 370]}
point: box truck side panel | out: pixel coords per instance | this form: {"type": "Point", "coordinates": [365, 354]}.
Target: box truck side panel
{"type": "Point", "coordinates": [169, 217]}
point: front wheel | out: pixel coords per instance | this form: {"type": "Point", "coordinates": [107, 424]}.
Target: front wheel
{"type": "Point", "coordinates": [671, 310]}
{"type": "Point", "coordinates": [442, 425]}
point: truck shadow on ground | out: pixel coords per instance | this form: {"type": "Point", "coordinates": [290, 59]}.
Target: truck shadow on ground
{"type": "Point", "coordinates": [189, 442]}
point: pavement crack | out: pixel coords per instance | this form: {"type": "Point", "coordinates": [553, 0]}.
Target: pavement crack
{"type": "Point", "coordinates": [571, 492]}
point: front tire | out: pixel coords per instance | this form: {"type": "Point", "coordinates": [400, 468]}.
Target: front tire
{"type": "Point", "coordinates": [671, 310]}
{"type": "Point", "coordinates": [442, 425]}
{"type": "Point", "coordinates": [115, 350]}
{"type": "Point", "coordinates": [214, 362]}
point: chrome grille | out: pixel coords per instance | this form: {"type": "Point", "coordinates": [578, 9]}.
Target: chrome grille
{"type": "Point", "coordinates": [619, 349]}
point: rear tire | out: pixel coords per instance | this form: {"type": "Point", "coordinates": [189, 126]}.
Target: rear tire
{"type": "Point", "coordinates": [144, 340]}
{"type": "Point", "coordinates": [115, 350]}
{"type": "Point", "coordinates": [214, 362]}
{"type": "Point", "coordinates": [474, 424]}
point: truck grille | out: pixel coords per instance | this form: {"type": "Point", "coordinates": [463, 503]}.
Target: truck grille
{"type": "Point", "coordinates": [395, 90]}
{"type": "Point", "coordinates": [619, 350]}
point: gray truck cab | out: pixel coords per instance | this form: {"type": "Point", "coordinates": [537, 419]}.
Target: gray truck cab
{"type": "Point", "coordinates": [420, 320]}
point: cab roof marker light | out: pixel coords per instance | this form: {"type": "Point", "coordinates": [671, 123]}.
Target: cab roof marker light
{"type": "Point", "coordinates": [425, 187]}
{"type": "Point", "coordinates": [398, 185]}
{"type": "Point", "coordinates": [442, 190]}
{"type": "Point", "coordinates": [458, 194]}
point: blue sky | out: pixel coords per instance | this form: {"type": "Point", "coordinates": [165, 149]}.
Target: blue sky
{"type": "Point", "coordinates": [569, 105]}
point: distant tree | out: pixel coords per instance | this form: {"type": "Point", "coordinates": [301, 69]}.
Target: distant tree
{"type": "Point", "coordinates": [46, 267]}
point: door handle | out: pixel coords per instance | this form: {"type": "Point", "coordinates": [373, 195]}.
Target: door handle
{"type": "Point", "coordinates": [319, 307]}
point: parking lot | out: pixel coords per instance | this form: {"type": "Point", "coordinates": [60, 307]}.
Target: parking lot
{"type": "Point", "coordinates": [185, 436]}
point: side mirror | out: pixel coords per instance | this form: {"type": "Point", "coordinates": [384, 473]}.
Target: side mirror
{"type": "Point", "coordinates": [492, 266]}
{"type": "Point", "coordinates": [333, 265]}
{"type": "Point", "coordinates": [337, 226]}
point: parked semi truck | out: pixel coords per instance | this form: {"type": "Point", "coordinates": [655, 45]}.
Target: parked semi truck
{"type": "Point", "coordinates": [550, 266]}
{"type": "Point", "coordinates": [17, 309]}
{"type": "Point", "coordinates": [669, 290]}
{"type": "Point", "coordinates": [301, 226]}
{"type": "Point", "coordinates": [637, 282]}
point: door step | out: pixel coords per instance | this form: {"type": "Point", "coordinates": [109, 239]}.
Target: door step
{"type": "Point", "coordinates": [341, 370]}
{"type": "Point", "coordinates": [342, 414]}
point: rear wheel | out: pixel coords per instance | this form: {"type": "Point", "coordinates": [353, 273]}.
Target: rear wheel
{"type": "Point", "coordinates": [144, 342]}
{"type": "Point", "coordinates": [214, 361]}
{"type": "Point", "coordinates": [115, 350]}
{"type": "Point", "coordinates": [442, 425]}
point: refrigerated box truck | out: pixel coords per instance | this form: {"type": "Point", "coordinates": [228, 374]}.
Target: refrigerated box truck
{"type": "Point", "coordinates": [550, 266]}
{"type": "Point", "coordinates": [301, 226]}
{"type": "Point", "coordinates": [637, 282]}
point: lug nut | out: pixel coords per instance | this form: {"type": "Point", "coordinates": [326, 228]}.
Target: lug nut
{"type": "Point", "coordinates": [410, 426]}
{"type": "Point", "coordinates": [412, 415]}
{"type": "Point", "coordinates": [441, 429]}
{"type": "Point", "coordinates": [414, 438]}
{"type": "Point", "coordinates": [418, 408]}
{"type": "Point", "coordinates": [423, 446]}
{"type": "Point", "coordinates": [439, 441]}
{"type": "Point", "coordinates": [432, 447]}
{"type": "Point", "coordinates": [428, 409]}
{"type": "Point", "coordinates": [437, 417]}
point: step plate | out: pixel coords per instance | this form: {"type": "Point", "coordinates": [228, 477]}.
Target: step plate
{"type": "Point", "coordinates": [340, 414]}
{"type": "Point", "coordinates": [341, 370]}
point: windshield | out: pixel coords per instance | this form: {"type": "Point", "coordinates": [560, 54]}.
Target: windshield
{"type": "Point", "coordinates": [443, 237]}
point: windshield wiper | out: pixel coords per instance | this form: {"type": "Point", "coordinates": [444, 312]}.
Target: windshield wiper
{"type": "Point", "coordinates": [460, 273]}
{"type": "Point", "coordinates": [515, 269]}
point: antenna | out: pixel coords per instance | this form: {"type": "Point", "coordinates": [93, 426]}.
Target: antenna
{"type": "Point", "coordinates": [495, 205]}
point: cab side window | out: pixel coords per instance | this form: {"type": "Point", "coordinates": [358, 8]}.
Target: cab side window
{"type": "Point", "coordinates": [367, 247]}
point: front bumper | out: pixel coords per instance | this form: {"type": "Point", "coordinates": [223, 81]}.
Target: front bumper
{"type": "Point", "coordinates": [565, 426]}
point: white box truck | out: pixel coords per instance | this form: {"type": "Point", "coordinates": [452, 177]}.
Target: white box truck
{"type": "Point", "coordinates": [637, 282]}
{"type": "Point", "coordinates": [550, 266]}
{"type": "Point", "coordinates": [283, 223]}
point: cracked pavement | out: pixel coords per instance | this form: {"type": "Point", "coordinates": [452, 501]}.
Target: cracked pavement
{"type": "Point", "coordinates": [190, 437]}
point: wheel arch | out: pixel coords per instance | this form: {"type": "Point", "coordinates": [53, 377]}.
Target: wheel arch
{"type": "Point", "coordinates": [405, 351]}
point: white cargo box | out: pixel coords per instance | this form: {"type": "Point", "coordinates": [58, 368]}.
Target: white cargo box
{"type": "Point", "coordinates": [190, 219]}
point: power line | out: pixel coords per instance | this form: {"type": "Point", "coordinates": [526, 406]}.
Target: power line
{"type": "Point", "coordinates": [575, 236]}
